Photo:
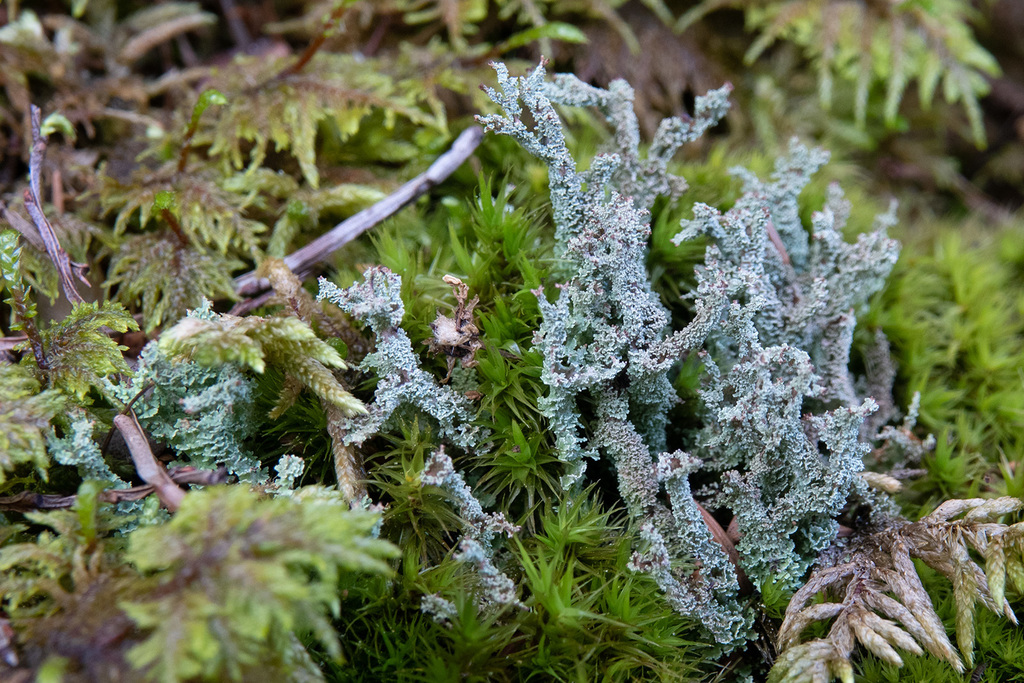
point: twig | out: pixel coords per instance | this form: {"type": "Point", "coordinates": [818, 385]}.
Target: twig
{"type": "Point", "coordinates": [138, 46]}
{"type": "Point", "coordinates": [303, 261]}
{"type": "Point", "coordinates": [7, 639]}
{"type": "Point", "coordinates": [124, 411]}
{"type": "Point", "coordinates": [246, 305]}
{"type": "Point", "coordinates": [145, 464]}
{"type": "Point", "coordinates": [26, 501]}
{"type": "Point", "coordinates": [776, 240]}
{"type": "Point", "coordinates": [22, 226]}
{"type": "Point", "coordinates": [34, 205]}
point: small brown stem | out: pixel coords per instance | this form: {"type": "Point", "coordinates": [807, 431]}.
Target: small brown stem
{"type": "Point", "coordinates": [175, 226]}
{"type": "Point", "coordinates": [27, 501]}
{"type": "Point", "coordinates": [315, 45]}
{"type": "Point", "coordinates": [124, 411]}
{"type": "Point", "coordinates": [776, 240]}
{"type": "Point", "coordinates": [236, 27]}
{"type": "Point", "coordinates": [57, 190]}
{"type": "Point", "coordinates": [377, 37]}
{"type": "Point", "coordinates": [186, 145]}
{"type": "Point", "coordinates": [723, 539]}
{"type": "Point", "coordinates": [188, 55]}
{"type": "Point", "coordinates": [35, 342]}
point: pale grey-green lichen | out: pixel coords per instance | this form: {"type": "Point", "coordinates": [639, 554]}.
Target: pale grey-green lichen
{"type": "Point", "coordinates": [79, 448]}
{"type": "Point", "coordinates": [289, 469]}
{"type": "Point", "coordinates": [401, 383]}
{"type": "Point", "coordinates": [441, 610]}
{"type": "Point", "coordinates": [481, 526]}
{"type": "Point", "coordinates": [775, 308]}
{"type": "Point", "coordinates": [477, 546]}
{"type": "Point", "coordinates": [606, 332]}
{"type": "Point", "coordinates": [205, 414]}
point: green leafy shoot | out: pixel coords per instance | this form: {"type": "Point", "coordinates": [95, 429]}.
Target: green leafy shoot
{"type": "Point", "coordinates": [40, 577]}
{"type": "Point", "coordinates": [236, 575]}
{"type": "Point", "coordinates": [209, 97]}
{"type": "Point", "coordinates": [80, 354]}
{"type": "Point", "coordinates": [25, 414]}
{"type": "Point", "coordinates": [554, 30]}
{"type": "Point", "coordinates": [283, 342]}
{"type": "Point", "coordinates": [23, 308]}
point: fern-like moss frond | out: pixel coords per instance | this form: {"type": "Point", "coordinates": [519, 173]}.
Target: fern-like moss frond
{"type": "Point", "coordinates": [79, 354]}
{"type": "Point", "coordinates": [196, 202]}
{"type": "Point", "coordinates": [167, 278]}
{"type": "Point", "coordinates": [25, 414]}
{"type": "Point", "coordinates": [284, 342]}
{"type": "Point", "coordinates": [217, 593]}
{"type": "Point", "coordinates": [239, 574]}
{"type": "Point", "coordinates": [883, 604]}
{"type": "Point", "coordinates": [288, 109]}
{"type": "Point", "coordinates": [864, 44]}
{"type": "Point", "coordinates": [11, 280]}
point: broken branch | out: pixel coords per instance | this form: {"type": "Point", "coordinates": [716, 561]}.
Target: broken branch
{"type": "Point", "coordinates": [303, 261]}
{"type": "Point", "coordinates": [26, 501]}
{"type": "Point", "coordinates": [146, 465]}
{"type": "Point", "coordinates": [66, 268]}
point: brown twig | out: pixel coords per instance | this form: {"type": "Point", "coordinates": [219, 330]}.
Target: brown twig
{"type": "Point", "coordinates": [34, 205]}
{"type": "Point", "coordinates": [124, 411]}
{"type": "Point", "coordinates": [27, 230]}
{"type": "Point", "coordinates": [303, 261]}
{"type": "Point", "coordinates": [175, 226]}
{"type": "Point", "coordinates": [8, 653]}
{"type": "Point", "coordinates": [8, 343]}
{"type": "Point", "coordinates": [776, 240]}
{"type": "Point", "coordinates": [246, 305]}
{"type": "Point", "coordinates": [138, 46]}
{"type": "Point", "coordinates": [146, 465]}
{"type": "Point", "coordinates": [27, 501]}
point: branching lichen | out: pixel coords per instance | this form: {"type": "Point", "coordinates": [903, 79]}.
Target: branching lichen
{"type": "Point", "coordinates": [376, 302]}
{"type": "Point", "coordinates": [605, 334]}
{"type": "Point", "coordinates": [775, 311]}
{"type": "Point", "coordinates": [476, 547]}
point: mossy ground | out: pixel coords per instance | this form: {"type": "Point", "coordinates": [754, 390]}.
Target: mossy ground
{"type": "Point", "coordinates": [216, 188]}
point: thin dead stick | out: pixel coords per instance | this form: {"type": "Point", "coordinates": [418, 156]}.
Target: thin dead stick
{"type": "Point", "coordinates": [236, 27]}
{"type": "Point", "coordinates": [33, 197]}
{"type": "Point", "coordinates": [303, 261]}
{"type": "Point", "coordinates": [26, 501]}
{"type": "Point", "coordinates": [776, 240]}
{"type": "Point", "coordinates": [146, 465]}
